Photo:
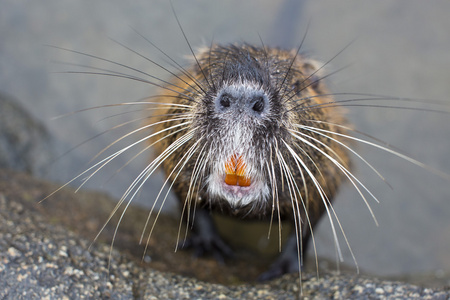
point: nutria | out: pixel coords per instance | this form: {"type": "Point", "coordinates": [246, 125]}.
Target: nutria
{"type": "Point", "coordinates": [252, 132]}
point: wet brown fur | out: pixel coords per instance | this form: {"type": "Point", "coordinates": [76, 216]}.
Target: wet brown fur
{"type": "Point", "coordinates": [303, 83]}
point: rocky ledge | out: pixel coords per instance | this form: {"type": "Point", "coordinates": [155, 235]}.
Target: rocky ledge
{"type": "Point", "coordinates": [46, 252]}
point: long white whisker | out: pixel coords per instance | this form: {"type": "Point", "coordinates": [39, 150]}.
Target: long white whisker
{"type": "Point", "coordinates": [108, 159]}
{"type": "Point", "coordinates": [348, 148]}
{"type": "Point", "coordinates": [295, 210]}
{"type": "Point", "coordinates": [147, 171]}
{"type": "Point", "coordinates": [349, 175]}
{"type": "Point", "coordinates": [201, 174]}
{"type": "Point", "coordinates": [344, 170]}
{"type": "Point", "coordinates": [183, 161]}
{"type": "Point", "coordinates": [322, 194]}
{"type": "Point", "coordinates": [189, 195]}
{"type": "Point", "coordinates": [277, 198]}
{"type": "Point", "coordinates": [101, 163]}
{"type": "Point", "coordinates": [147, 175]}
{"type": "Point", "coordinates": [144, 150]}
{"type": "Point", "coordinates": [386, 149]}
{"type": "Point", "coordinates": [306, 206]}
{"type": "Point", "coordinates": [271, 177]}
{"type": "Point", "coordinates": [138, 130]}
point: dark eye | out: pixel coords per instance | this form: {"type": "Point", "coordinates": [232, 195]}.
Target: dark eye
{"type": "Point", "coordinates": [258, 105]}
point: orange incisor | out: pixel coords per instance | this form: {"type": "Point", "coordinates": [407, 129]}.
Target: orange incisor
{"type": "Point", "coordinates": [235, 171]}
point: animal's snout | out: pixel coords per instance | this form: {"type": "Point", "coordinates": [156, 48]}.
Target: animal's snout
{"type": "Point", "coordinates": [241, 102]}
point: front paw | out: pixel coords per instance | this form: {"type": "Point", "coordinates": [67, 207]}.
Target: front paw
{"type": "Point", "coordinates": [212, 245]}
{"type": "Point", "coordinates": [280, 267]}
{"type": "Point", "coordinates": [286, 263]}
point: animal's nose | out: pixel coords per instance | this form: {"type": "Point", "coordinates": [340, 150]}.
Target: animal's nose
{"type": "Point", "coordinates": [252, 104]}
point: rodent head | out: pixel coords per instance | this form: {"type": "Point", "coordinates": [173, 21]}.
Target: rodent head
{"type": "Point", "coordinates": [244, 117]}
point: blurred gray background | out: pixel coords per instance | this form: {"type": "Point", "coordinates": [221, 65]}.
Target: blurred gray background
{"type": "Point", "coordinates": [401, 49]}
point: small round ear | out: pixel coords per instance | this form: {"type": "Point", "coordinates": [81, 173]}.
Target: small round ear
{"type": "Point", "coordinates": [314, 72]}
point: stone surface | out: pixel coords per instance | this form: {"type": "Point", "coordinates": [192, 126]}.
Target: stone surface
{"type": "Point", "coordinates": [41, 259]}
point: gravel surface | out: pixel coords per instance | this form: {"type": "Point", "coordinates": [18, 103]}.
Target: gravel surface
{"type": "Point", "coordinates": [42, 259]}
